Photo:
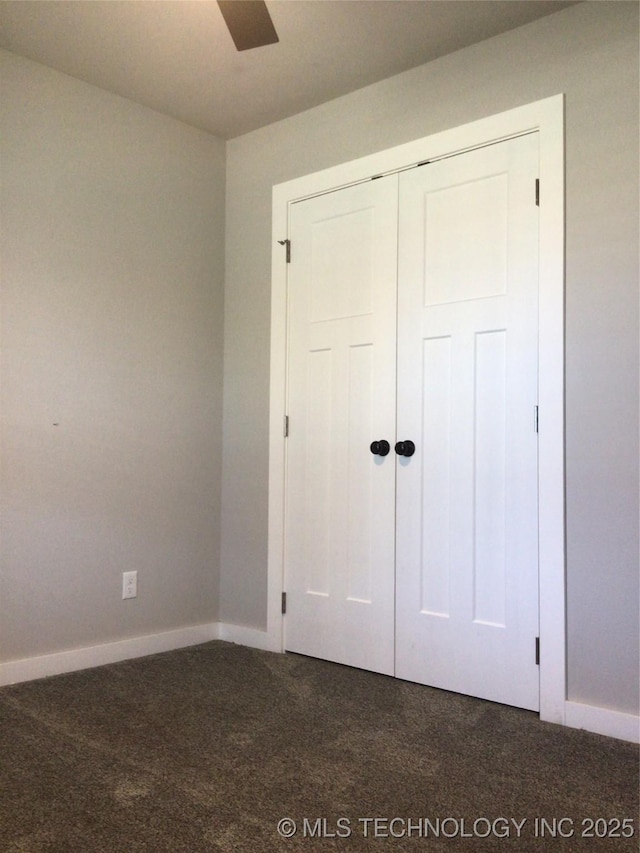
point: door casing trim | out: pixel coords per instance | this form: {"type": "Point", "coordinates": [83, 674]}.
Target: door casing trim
{"type": "Point", "coordinates": [547, 118]}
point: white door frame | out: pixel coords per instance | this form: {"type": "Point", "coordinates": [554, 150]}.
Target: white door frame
{"type": "Point", "coordinates": [547, 118]}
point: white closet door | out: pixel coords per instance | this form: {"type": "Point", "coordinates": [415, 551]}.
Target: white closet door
{"type": "Point", "coordinates": [467, 559]}
{"type": "Point", "coordinates": [340, 498]}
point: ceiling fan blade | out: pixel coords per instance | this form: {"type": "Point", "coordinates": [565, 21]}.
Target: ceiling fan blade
{"type": "Point", "coordinates": [249, 23]}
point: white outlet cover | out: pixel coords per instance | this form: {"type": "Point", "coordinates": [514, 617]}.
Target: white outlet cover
{"type": "Point", "coordinates": [129, 585]}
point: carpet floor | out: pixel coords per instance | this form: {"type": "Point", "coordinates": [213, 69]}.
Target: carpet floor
{"type": "Point", "coordinates": [223, 748]}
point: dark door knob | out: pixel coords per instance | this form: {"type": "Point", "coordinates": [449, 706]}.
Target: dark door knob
{"type": "Point", "coordinates": [380, 448]}
{"type": "Point", "coordinates": [405, 448]}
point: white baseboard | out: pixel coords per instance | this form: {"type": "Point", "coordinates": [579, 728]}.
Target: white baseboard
{"type": "Point", "coordinates": [603, 721]}
{"type": "Point", "coordinates": [28, 669]}
{"type": "Point", "coordinates": [251, 637]}
{"type": "Point", "coordinates": [578, 716]}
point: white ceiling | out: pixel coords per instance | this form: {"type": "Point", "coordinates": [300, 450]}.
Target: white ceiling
{"type": "Point", "coordinates": [177, 56]}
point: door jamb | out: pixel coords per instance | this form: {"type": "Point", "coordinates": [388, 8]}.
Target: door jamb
{"type": "Point", "coordinates": [547, 118]}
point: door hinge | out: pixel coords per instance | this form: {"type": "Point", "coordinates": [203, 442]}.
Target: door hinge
{"type": "Point", "coordinates": [537, 651]}
{"type": "Point", "coordinates": [286, 426]}
{"type": "Point", "coordinates": [284, 602]}
{"type": "Point", "coordinates": [535, 418]}
{"type": "Point", "coordinates": [538, 192]}
{"type": "Point", "coordinates": [286, 243]}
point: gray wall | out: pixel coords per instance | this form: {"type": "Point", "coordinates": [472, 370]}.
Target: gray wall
{"type": "Point", "coordinates": [111, 370]}
{"type": "Point", "coordinates": [589, 52]}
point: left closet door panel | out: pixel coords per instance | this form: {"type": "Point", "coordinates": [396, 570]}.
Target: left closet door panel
{"type": "Point", "coordinates": [340, 505]}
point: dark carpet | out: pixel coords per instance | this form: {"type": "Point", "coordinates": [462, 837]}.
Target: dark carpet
{"type": "Point", "coordinates": [209, 748]}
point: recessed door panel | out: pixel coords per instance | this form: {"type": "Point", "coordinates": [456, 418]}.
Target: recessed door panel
{"type": "Point", "coordinates": [360, 500]}
{"type": "Point", "coordinates": [436, 462]}
{"type": "Point", "coordinates": [456, 244]}
{"type": "Point", "coordinates": [342, 273]}
{"type": "Point", "coordinates": [489, 474]}
{"type": "Point", "coordinates": [317, 524]}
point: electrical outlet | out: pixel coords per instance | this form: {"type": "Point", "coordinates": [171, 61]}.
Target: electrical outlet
{"type": "Point", "coordinates": [129, 584]}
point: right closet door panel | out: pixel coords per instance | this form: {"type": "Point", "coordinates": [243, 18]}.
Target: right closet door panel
{"type": "Point", "coordinates": [466, 571]}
